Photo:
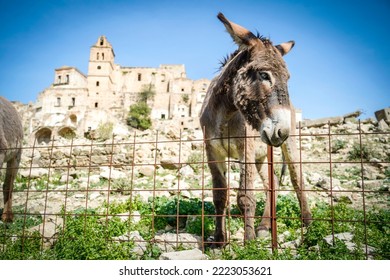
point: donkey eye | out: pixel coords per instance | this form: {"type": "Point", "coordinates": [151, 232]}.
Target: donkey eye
{"type": "Point", "coordinates": [264, 76]}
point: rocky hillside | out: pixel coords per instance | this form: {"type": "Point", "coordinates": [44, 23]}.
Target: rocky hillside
{"type": "Point", "coordinates": [345, 161]}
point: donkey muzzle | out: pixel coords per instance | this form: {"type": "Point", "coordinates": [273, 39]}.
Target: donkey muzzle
{"type": "Point", "coordinates": [275, 129]}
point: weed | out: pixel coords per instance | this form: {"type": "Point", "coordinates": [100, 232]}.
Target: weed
{"type": "Point", "coordinates": [104, 131]}
{"type": "Point", "coordinates": [338, 145]}
{"type": "Point", "coordinates": [196, 161]}
{"type": "Point", "coordinates": [363, 152]}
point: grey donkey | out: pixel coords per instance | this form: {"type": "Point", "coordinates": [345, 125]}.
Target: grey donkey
{"type": "Point", "coordinates": [11, 137]}
{"type": "Point", "coordinates": [246, 108]}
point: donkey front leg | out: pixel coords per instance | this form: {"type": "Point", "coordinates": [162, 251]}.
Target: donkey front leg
{"type": "Point", "coordinates": [265, 224]}
{"type": "Point", "coordinates": [10, 175]}
{"type": "Point", "coordinates": [246, 199]}
{"type": "Point", "coordinates": [290, 154]}
{"type": "Point", "coordinates": [218, 171]}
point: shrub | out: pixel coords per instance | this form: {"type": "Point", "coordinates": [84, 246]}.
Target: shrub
{"type": "Point", "coordinates": [361, 152]}
{"type": "Point", "coordinates": [196, 161]}
{"type": "Point", "coordinates": [104, 131]}
{"type": "Point", "coordinates": [87, 237]}
{"type": "Point", "coordinates": [139, 116]}
{"type": "Point", "coordinates": [338, 145]}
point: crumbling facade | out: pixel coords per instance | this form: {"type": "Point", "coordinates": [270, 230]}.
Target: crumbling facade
{"type": "Point", "coordinates": [77, 103]}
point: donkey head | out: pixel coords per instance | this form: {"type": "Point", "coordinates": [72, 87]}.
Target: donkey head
{"type": "Point", "coordinates": [258, 83]}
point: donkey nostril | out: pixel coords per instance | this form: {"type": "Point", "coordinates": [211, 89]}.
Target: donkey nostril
{"type": "Point", "coordinates": [282, 133]}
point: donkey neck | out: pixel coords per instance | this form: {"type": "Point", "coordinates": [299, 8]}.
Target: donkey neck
{"type": "Point", "coordinates": [223, 90]}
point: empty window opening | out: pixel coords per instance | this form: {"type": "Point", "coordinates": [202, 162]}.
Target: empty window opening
{"type": "Point", "coordinates": [102, 56]}
{"type": "Point", "coordinates": [67, 79]}
{"type": "Point", "coordinates": [73, 101]}
{"type": "Point", "coordinates": [58, 104]}
{"type": "Point", "coordinates": [59, 79]}
{"type": "Point", "coordinates": [96, 105]}
{"type": "Point", "coordinates": [99, 67]}
{"type": "Point", "coordinates": [139, 77]}
{"type": "Point", "coordinates": [97, 56]}
{"type": "Point", "coordinates": [67, 133]}
{"type": "Point", "coordinates": [43, 135]}
{"type": "Point", "coordinates": [97, 83]}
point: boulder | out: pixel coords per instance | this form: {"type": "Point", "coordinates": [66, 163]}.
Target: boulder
{"type": "Point", "coordinates": [170, 164]}
{"type": "Point", "coordinates": [383, 114]}
{"type": "Point", "coordinates": [34, 172]}
{"type": "Point", "coordinates": [146, 170]}
{"type": "Point", "coordinates": [48, 230]}
{"type": "Point", "coordinates": [347, 238]}
{"type": "Point", "coordinates": [170, 242]}
{"type": "Point", "coordinates": [194, 254]}
{"type": "Point", "coordinates": [383, 126]}
{"type": "Point", "coordinates": [133, 236]}
{"type": "Point", "coordinates": [111, 174]}
{"type": "Point", "coordinates": [321, 122]}
{"type": "Point", "coordinates": [187, 171]}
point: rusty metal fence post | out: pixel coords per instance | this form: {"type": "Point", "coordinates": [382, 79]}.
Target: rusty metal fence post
{"type": "Point", "coordinates": [272, 190]}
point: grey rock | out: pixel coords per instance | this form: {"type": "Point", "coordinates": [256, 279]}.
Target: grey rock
{"type": "Point", "coordinates": [383, 126]}
{"type": "Point", "coordinates": [169, 242]}
{"type": "Point", "coordinates": [383, 114]}
{"type": "Point", "coordinates": [347, 238]}
{"type": "Point", "coordinates": [34, 172]}
{"type": "Point", "coordinates": [186, 171]}
{"type": "Point", "coordinates": [194, 254]}
{"type": "Point", "coordinates": [146, 170]}
{"type": "Point", "coordinates": [111, 174]}
{"type": "Point", "coordinates": [170, 164]}
{"type": "Point", "coordinates": [48, 230]}
{"type": "Point", "coordinates": [134, 236]}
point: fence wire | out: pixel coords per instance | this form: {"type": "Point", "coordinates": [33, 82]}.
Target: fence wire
{"type": "Point", "coordinates": [149, 195]}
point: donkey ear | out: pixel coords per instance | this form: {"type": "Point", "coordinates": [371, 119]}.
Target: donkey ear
{"type": "Point", "coordinates": [240, 35]}
{"type": "Point", "coordinates": [284, 48]}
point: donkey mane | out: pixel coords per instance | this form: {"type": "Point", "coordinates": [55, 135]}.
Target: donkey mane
{"type": "Point", "coordinates": [225, 60]}
{"type": "Point", "coordinates": [230, 68]}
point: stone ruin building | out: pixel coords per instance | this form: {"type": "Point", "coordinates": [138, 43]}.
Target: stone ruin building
{"type": "Point", "coordinates": [76, 104]}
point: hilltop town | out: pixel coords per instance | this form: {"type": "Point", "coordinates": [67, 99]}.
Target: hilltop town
{"type": "Point", "coordinates": [76, 103]}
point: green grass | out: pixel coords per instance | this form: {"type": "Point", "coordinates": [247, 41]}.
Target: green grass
{"type": "Point", "coordinates": [90, 233]}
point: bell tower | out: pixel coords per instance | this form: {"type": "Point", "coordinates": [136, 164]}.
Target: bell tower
{"type": "Point", "coordinates": [101, 74]}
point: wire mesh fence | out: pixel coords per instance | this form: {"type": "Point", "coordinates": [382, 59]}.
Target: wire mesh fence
{"type": "Point", "coordinates": [149, 194]}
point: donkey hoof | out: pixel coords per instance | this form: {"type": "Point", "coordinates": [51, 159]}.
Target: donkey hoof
{"type": "Point", "coordinates": [217, 244]}
{"type": "Point", "coordinates": [307, 219]}
{"type": "Point", "coordinates": [214, 242]}
{"type": "Point", "coordinates": [263, 232]}
{"type": "Point", "coordinates": [7, 217]}
{"type": "Point", "coordinates": [250, 235]}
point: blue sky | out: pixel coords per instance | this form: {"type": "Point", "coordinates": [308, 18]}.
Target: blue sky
{"type": "Point", "coordinates": [340, 62]}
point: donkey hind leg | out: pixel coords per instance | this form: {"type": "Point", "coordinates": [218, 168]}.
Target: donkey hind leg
{"type": "Point", "coordinates": [290, 154]}
{"type": "Point", "coordinates": [265, 224]}
{"type": "Point", "coordinates": [246, 199]}
{"type": "Point", "coordinates": [10, 175]}
{"type": "Point", "coordinates": [218, 171]}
